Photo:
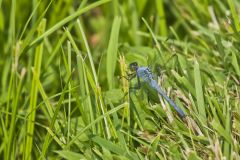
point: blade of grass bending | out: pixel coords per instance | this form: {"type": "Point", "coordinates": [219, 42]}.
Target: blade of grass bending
{"type": "Point", "coordinates": [82, 72]}
{"type": "Point", "coordinates": [95, 85]}
{"type": "Point", "coordinates": [46, 100]}
{"type": "Point", "coordinates": [221, 131]}
{"type": "Point", "coordinates": [55, 137]}
{"type": "Point", "coordinates": [112, 51]}
{"type": "Point", "coordinates": [114, 147]}
{"type": "Point", "coordinates": [29, 19]}
{"type": "Point", "coordinates": [33, 94]}
{"type": "Point", "coordinates": [95, 121]}
{"type": "Point", "coordinates": [56, 48]}
{"type": "Point", "coordinates": [212, 107]}
{"type": "Point", "coordinates": [190, 45]}
{"type": "Point", "coordinates": [69, 155]}
{"type": "Point", "coordinates": [66, 20]}
{"type": "Point", "coordinates": [153, 36]}
{"type": "Point", "coordinates": [88, 52]}
{"type": "Point", "coordinates": [107, 121]}
{"type": "Point", "coordinates": [185, 82]}
{"type": "Point", "coordinates": [137, 139]}
{"type": "Point", "coordinates": [54, 118]}
{"type": "Point", "coordinates": [30, 34]}
{"type": "Point", "coordinates": [63, 37]}
{"type": "Point", "coordinates": [99, 100]}
{"type": "Point", "coordinates": [117, 127]}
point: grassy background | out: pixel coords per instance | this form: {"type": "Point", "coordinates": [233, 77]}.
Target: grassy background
{"type": "Point", "coordinates": [60, 92]}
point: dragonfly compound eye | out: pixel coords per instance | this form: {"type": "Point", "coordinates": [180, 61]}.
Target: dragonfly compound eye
{"type": "Point", "coordinates": [133, 66]}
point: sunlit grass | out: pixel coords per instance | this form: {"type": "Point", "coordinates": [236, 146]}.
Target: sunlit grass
{"type": "Point", "coordinates": [64, 92]}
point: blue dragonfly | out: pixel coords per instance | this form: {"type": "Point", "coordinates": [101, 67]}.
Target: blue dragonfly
{"type": "Point", "coordinates": [146, 76]}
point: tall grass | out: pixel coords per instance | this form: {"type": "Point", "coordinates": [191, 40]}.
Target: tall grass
{"type": "Point", "coordinates": [64, 92]}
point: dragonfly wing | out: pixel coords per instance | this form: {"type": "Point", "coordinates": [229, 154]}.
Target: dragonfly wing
{"type": "Point", "coordinates": [145, 74]}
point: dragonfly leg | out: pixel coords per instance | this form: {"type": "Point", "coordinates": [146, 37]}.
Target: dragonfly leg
{"type": "Point", "coordinates": [148, 96]}
{"type": "Point", "coordinates": [139, 83]}
{"type": "Point", "coordinates": [136, 87]}
{"type": "Point", "coordinates": [128, 77]}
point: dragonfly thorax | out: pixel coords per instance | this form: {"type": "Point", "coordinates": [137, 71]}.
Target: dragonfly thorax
{"type": "Point", "coordinates": [144, 73]}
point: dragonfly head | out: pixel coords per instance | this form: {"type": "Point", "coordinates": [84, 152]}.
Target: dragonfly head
{"type": "Point", "coordinates": [133, 66]}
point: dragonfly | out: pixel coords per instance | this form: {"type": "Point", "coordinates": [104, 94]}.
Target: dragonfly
{"type": "Point", "coordinates": [146, 75]}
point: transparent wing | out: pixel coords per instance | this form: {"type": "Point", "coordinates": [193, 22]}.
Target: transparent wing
{"type": "Point", "coordinates": [147, 76]}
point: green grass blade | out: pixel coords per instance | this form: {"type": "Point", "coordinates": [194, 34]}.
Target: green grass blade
{"type": "Point", "coordinates": [84, 88]}
{"type": "Point", "coordinates": [88, 52]}
{"type": "Point", "coordinates": [113, 147]}
{"type": "Point", "coordinates": [96, 121]}
{"type": "Point", "coordinates": [69, 155]}
{"type": "Point", "coordinates": [153, 36]}
{"type": "Point", "coordinates": [12, 25]}
{"type": "Point", "coordinates": [66, 20]}
{"type": "Point", "coordinates": [221, 131]}
{"type": "Point", "coordinates": [141, 5]}
{"type": "Point", "coordinates": [14, 117]}
{"type": "Point", "coordinates": [199, 93]}
{"type": "Point", "coordinates": [234, 13]}
{"type": "Point", "coordinates": [162, 18]}
{"type": "Point", "coordinates": [34, 28]}
{"type": "Point", "coordinates": [48, 137]}
{"type": "Point", "coordinates": [33, 95]}
{"type": "Point", "coordinates": [112, 51]}
{"type": "Point", "coordinates": [69, 88]}
{"type": "Point", "coordinates": [235, 64]}
{"type": "Point", "coordinates": [71, 104]}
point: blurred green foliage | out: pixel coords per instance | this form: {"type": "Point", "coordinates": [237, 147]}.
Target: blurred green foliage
{"type": "Point", "coordinates": [62, 95]}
